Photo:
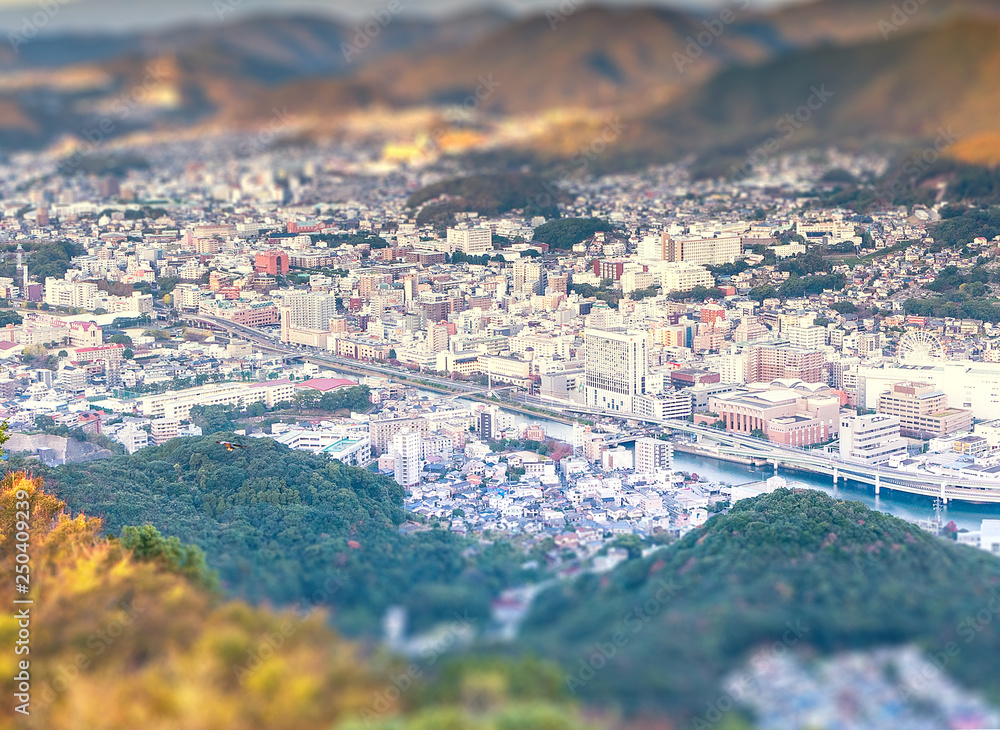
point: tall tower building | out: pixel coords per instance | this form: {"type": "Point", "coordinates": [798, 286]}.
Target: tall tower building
{"type": "Point", "coordinates": [616, 368]}
{"type": "Point", "coordinates": [405, 450]}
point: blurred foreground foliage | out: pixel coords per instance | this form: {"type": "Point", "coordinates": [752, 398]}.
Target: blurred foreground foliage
{"type": "Point", "coordinates": [125, 635]}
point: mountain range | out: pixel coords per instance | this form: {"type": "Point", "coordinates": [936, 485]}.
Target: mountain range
{"type": "Point", "coordinates": [715, 83]}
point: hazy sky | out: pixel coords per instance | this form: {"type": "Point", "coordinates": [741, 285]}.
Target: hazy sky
{"type": "Point", "coordinates": [117, 15]}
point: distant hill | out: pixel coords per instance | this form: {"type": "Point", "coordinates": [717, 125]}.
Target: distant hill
{"type": "Point", "coordinates": [792, 568]}
{"type": "Point", "coordinates": [487, 195]}
{"type": "Point", "coordinates": [904, 92]}
{"type": "Point", "coordinates": [706, 83]}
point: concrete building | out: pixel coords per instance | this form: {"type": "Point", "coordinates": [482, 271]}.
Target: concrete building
{"type": "Point", "coordinates": [923, 410]}
{"type": "Point", "coordinates": [616, 368]}
{"type": "Point", "coordinates": [652, 455]}
{"type": "Point", "coordinates": [970, 385]}
{"type": "Point", "coordinates": [766, 363]}
{"type": "Point", "coordinates": [705, 251]}
{"type": "Point", "coordinates": [405, 450]}
{"type": "Point", "coordinates": [871, 439]}
{"type": "Point", "coordinates": [164, 429]}
{"type": "Point", "coordinates": [312, 311]}
{"type": "Point", "coordinates": [684, 276]}
{"type": "Point", "coordinates": [792, 413]}
{"type": "Point", "coordinates": [470, 241]}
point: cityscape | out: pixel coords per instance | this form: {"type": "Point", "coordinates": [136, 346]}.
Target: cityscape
{"type": "Point", "coordinates": [348, 392]}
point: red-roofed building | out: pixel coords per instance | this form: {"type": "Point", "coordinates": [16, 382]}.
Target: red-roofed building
{"type": "Point", "coordinates": [327, 384]}
{"type": "Point", "coordinates": [105, 353]}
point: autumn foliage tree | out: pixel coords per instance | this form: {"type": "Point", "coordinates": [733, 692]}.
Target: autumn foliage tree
{"type": "Point", "coordinates": [124, 635]}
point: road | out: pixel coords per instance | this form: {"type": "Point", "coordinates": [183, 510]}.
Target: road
{"type": "Point", "coordinates": [927, 484]}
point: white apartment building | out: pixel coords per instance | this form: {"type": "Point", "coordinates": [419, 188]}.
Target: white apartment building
{"type": "Point", "coordinates": [471, 241]}
{"type": "Point", "coordinates": [872, 439]}
{"type": "Point", "coordinates": [62, 293]}
{"type": "Point", "coordinates": [164, 429]}
{"type": "Point", "coordinates": [684, 277]}
{"type": "Point", "coordinates": [652, 248]}
{"type": "Point", "coordinates": [132, 438]}
{"type": "Point", "coordinates": [406, 464]}
{"type": "Point", "coordinates": [616, 368]}
{"type": "Point", "coordinates": [715, 251]}
{"type": "Point", "coordinates": [633, 280]}
{"type": "Point", "coordinates": [177, 404]}
{"type": "Point", "coordinates": [652, 455]}
{"type": "Point", "coordinates": [809, 337]}
{"type": "Point", "coordinates": [312, 311]}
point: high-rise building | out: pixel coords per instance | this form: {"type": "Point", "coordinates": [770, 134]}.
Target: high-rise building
{"type": "Point", "coordinates": [871, 439]}
{"type": "Point", "coordinates": [312, 311]}
{"type": "Point", "coordinates": [653, 247]}
{"type": "Point", "coordinates": [653, 455]}
{"type": "Point", "coordinates": [773, 362]}
{"type": "Point", "coordinates": [809, 337]}
{"type": "Point", "coordinates": [616, 368]}
{"type": "Point", "coordinates": [405, 452]}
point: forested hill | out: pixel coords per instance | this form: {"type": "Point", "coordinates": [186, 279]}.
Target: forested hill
{"type": "Point", "coordinates": [281, 525]}
{"type": "Point", "coordinates": [793, 567]}
{"type": "Point", "coordinates": [125, 634]}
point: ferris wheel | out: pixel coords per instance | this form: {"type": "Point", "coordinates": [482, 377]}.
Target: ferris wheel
{"type": "Point", "coordinates": [917, 346]}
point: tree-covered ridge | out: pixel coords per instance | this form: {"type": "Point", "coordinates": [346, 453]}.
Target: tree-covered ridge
{"type": "Point", "coordinates": [280, 525]}
{"type": "Point", "coordinates": [123, 636]}
{"type": "Point", "coordinates": [567, 232]}
{"type": "Point", "coordinates": [835, 574]}
{"type": "Point", "coordinates": [488, 195]}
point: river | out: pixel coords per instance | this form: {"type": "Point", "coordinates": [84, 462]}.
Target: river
{"type": "Point", "coordinates": [910, 507]}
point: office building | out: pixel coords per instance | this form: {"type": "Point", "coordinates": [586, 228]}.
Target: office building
{"type": "Point", "coordinates": [470, 241]}
{"type": "Point", "coordinates": [871, 439]}
{"type": "Point", "coordinates": [616, 368]}
{"type": "Point", "coordinates": [923, 410]}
